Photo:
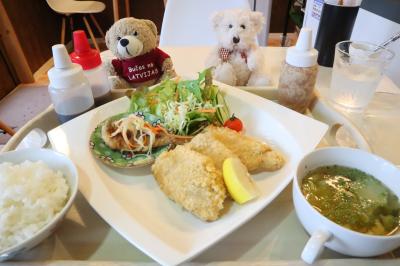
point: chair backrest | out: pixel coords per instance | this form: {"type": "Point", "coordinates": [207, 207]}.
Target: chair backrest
{"type": "Point", "coordinates": [59, 6]}
{"type": "Point", "coordinates": [188, 22]}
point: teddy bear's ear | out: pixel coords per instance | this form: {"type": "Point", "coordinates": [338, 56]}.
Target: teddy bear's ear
{"type": "Point", "coordinates": [257, 19]}
{"type": "Point", "coordinates": [151, 25]}
{"type": "Point", "coordinates": [216, 19]}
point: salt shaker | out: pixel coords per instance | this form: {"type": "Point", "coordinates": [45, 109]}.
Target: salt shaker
{"type": "Point", "coordinates": [92, 66]}
{"type": "Point", "coordinates": [299, 74]}
{"type": "Point", "coordinates": [69, 89]}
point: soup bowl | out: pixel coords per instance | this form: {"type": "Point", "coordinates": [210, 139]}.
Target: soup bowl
{"type": "Point", "coordinates": [326, 233]}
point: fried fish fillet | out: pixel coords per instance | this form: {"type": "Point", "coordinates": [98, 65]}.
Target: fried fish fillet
{"type": "Point", "coordinates": [191, 180]}
{"type": "Point", "coordinates": [206, 144]}
{"type": "Point", "coordinates": [254, 154]}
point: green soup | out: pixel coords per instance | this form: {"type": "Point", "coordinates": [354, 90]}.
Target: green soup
{"type": "Point", "coordinates": [353, 199]}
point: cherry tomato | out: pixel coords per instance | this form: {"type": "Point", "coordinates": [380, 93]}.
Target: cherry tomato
{"type": "Point", "coordinates": [234, 123]}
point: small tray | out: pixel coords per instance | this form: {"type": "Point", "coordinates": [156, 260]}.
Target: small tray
{"type": "Point", "coordinates": [47, 120]}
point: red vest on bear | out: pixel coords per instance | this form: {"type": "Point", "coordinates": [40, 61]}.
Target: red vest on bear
{"type": "Point", "coordinates": [141, 68]}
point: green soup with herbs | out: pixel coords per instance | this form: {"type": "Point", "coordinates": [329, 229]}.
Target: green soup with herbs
{"type": "Point", "coordinates": [353, 199]}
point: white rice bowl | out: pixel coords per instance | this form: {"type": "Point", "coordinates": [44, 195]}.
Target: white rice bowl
{"type": "Point", "coordinates": [31, 195]}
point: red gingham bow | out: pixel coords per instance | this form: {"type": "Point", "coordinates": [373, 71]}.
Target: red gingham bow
{"type": "Point", "coordinates": [224, 54]}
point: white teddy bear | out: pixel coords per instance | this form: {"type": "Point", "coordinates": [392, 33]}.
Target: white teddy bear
{"type": "Point", "coordinates": [237, 59]}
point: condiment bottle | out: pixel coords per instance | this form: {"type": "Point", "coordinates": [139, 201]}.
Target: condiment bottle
{"type": "Point", "coordinates": [299, 74]}
{"type": "Point", "coordinates": [92, 66]}
{"type": "Point", "coordinates": [69, 89]}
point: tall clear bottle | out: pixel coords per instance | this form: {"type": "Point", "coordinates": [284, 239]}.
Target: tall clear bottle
{"type": "Point", "coordinates": [92, 66]}
{"type": "Point", "coordinates": [299, 74]}
{"type": "Point", "coordinates": [69, 89]}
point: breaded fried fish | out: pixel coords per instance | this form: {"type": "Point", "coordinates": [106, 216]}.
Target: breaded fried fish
{"type": "Point", "coordinates": [254, 154]}
{"type": "Point", "coordinates": [206, 144]}
{"type": "Point", "coordinates": [191, 180]}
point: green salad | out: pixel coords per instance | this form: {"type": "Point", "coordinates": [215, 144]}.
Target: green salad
{"type": "Point", "coordinates": [183, 107]}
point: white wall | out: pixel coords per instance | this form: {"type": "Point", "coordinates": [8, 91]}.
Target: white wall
{"type": "Point", "coordinates": [264, 6]}
{"type": "Point", "coordinates": [375, 29]}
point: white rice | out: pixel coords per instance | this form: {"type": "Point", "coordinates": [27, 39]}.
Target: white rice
{"type": "Point", "coordinates": [31, 194]}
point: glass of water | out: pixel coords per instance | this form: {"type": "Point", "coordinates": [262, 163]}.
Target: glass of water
{"type": "Point", "coordinates": [357, 70]}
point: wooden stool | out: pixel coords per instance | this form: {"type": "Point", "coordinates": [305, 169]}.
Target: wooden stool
{"type": "Point", "coordinates": [6, 128]}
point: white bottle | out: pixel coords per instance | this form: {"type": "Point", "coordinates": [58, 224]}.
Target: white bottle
{"type": "Point", "coordinates": [299, 74]}
{"type": "Point", "coordinates": [92, 66]}
{"type": "Point", "coordinates": [69, 89]}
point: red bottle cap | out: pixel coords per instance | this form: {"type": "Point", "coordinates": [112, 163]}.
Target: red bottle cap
{"type": "Point", "coordinates": [83, 55]}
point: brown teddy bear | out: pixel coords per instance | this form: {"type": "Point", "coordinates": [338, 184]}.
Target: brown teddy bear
{"type": "Point", "coordinates": [138, 61]}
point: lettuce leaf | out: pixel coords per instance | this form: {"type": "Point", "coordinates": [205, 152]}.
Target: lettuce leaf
{"type": "Point", "coordinates": [167, 99]}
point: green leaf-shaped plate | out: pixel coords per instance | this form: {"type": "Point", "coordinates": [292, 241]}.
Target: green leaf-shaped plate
{"type": "Point", "coordinates": [123, 159]}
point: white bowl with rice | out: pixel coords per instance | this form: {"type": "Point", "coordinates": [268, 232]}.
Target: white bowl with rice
{"type": "Point", "coordinates": [38, 186]}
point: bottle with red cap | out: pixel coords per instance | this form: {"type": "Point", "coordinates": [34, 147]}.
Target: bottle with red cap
{"type": "Point", "coordinates": [92, 66]}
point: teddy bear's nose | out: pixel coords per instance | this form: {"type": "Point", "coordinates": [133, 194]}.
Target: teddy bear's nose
{"type": "Point", "coordinates": [236, 39]}
{"type": "Point", "coordinates": [124, 42]}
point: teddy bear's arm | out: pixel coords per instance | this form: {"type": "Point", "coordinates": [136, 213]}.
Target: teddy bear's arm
{"type": "Point", "coordinates": [168, 69]}
{"type": "Point", "coordinates": [255, 60]}
{"type": "Point", "coordinates": [109, 68]}
{"type": "Point", "coordinates": [119, 83]}
{"type": "Point", "coordinates": [258, 76]}
{"type": "Point", "coordinates": [164, 61]}
{"type": "Point", "coordinates": [117, 66]}
{"type": "Point", "coordinates": [213, 59]}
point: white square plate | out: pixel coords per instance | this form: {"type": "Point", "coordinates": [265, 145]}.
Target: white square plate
{"type": "Point", "coordinates": [130, 201]}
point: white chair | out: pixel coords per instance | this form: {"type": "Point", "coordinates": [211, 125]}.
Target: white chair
{"type": "Point", "coordinates": [69, 7]}
{"type": "Point", "coordinates": [188, 22]}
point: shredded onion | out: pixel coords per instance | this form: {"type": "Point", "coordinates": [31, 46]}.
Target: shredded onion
{"type": "Point", "coordinates": [139, 132]}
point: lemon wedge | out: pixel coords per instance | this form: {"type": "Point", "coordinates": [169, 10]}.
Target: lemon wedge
{"type": "Point", "coordinates": [238, 181]}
